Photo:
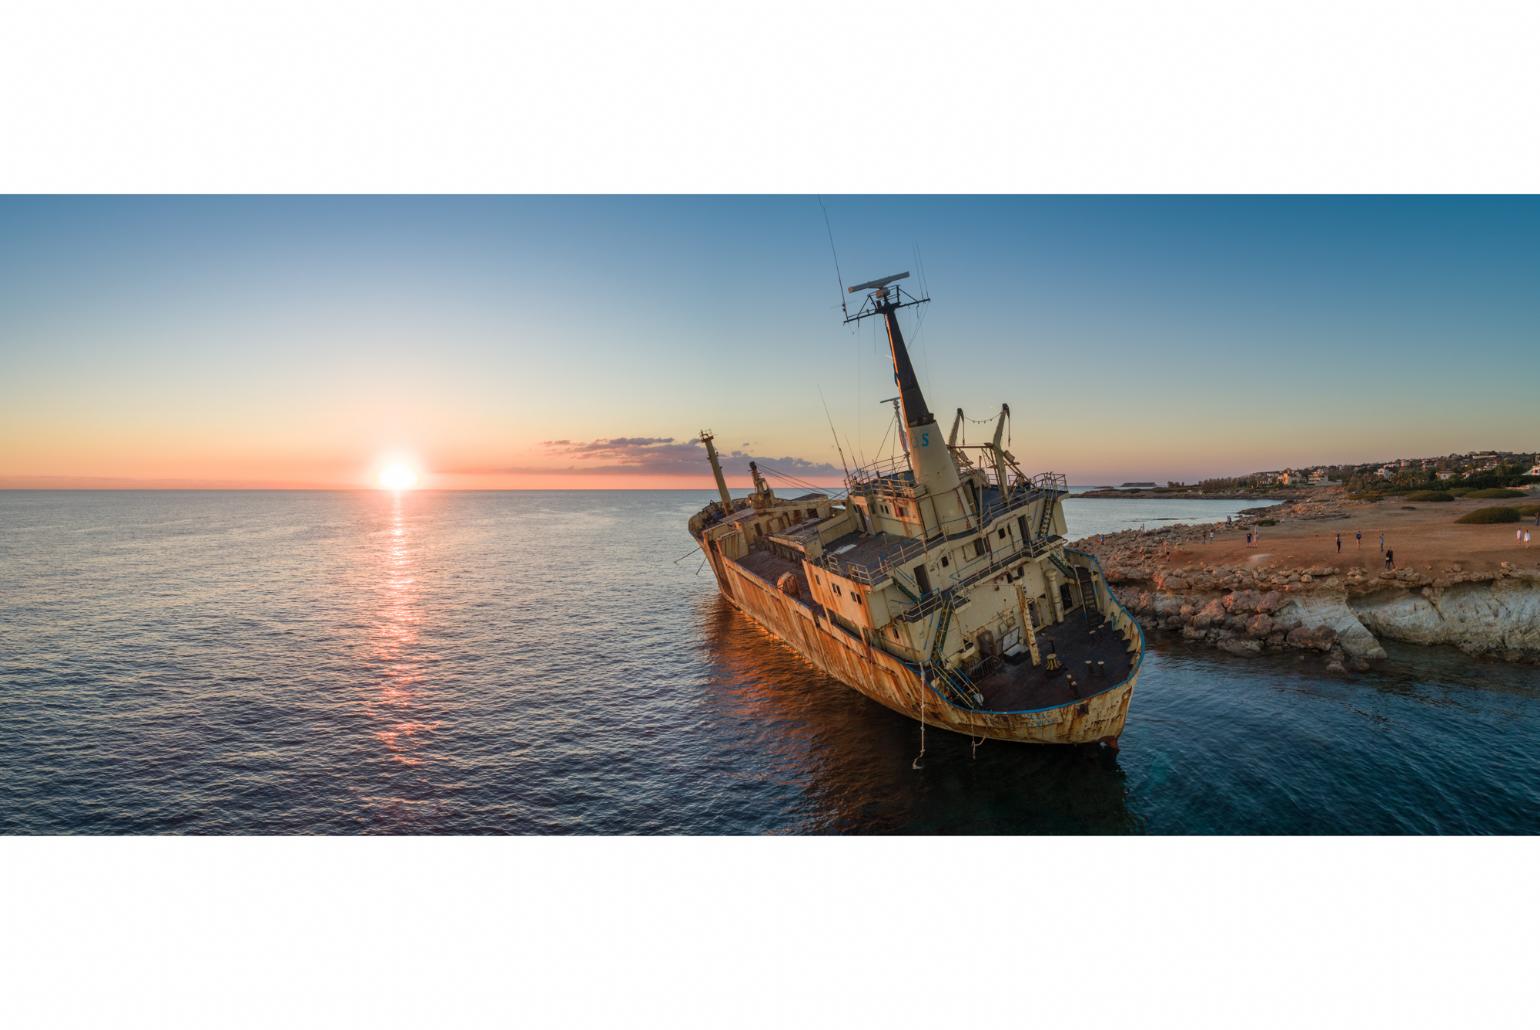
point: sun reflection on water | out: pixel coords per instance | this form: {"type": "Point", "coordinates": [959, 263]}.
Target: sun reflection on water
{"type": "Point", "coordinates": [395, 652]}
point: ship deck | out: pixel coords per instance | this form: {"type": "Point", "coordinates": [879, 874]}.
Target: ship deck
{"type": "Point", "coordinates": [868, 552]}
{"type": "Point", "coordinates": [1077, 640]}
{"type": "Point", "coordinates": [1014, 684]}
{"type": "Point", "coordinates": [769, 566]}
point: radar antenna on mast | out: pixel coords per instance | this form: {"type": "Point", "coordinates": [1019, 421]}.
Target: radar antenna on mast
{"type": "Point", "coordinates": [884, 297]}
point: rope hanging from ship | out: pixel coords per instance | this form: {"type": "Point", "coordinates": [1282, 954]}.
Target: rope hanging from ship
{"type": "Point", "coordinates": [919, 759]}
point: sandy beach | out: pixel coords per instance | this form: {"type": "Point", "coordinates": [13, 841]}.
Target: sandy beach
{"type": "Point", "coordinates": [1475, 587]}
{"type": "Point", "coordinates": [1424, 536]}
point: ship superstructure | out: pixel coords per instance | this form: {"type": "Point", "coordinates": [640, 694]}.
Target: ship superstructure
{"type": "Point", "coordinates": [940, 585]}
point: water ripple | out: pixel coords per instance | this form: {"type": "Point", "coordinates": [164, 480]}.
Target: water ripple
{"type": "Point", "coordinates": [535, 663]}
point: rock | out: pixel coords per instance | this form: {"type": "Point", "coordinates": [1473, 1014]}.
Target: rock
{"type": "Point", "coordinates": [1210, 613]}
{"type": "Point", "coordinates": [1316, 638]}
{"type": "Point", "coordinates": [1260, 626]}
{"type": "Point", "coordinates": [1244, 648]}
{"type": "Point", "coordinates": [1496, 615]}
{"type": "Point", "coordinates": [1335, 666]}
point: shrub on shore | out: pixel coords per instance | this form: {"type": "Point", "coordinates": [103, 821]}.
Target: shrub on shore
{"type": "Point", "coordinates": [1495, 493]}
{"type": "Point", "coordinates": [1267, 522]}
{"type": "Point", "coordinates": [1430, 495]}
{"type": "Point", "coordinates": [1487, 516]}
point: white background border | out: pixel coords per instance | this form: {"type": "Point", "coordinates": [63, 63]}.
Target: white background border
{"type": "Point", "coordinates": [792, 97]}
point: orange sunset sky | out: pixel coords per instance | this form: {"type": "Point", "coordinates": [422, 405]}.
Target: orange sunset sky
{"type": "Point", "coordinates": [583, 341]}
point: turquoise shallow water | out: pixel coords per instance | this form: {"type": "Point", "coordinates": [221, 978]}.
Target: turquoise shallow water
{"type": "Point", "coordinates": [1088, 516]}
{"type": "Point", "coordinates": [213, 662]}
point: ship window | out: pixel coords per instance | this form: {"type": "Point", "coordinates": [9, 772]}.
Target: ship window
{"type": "Point", "coordinates": [944, 562]}
{"type": "Point", "coordinates": [836, 588]}
{"type": "Point", "coordinates": [812, 513]}
{"type": "Point", "coordinates": [857, 598]}
{"type": "Point", "coordinates": [978, 548]}
{"type": "Point", "coordinates": [1002, 532]}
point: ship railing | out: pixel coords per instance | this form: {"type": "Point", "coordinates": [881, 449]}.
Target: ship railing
{"type": "Point", "coordinates": [1035, 549]}
{"type": "Point", "coordinates": [891, 475]}
{"type": "Point", "coordinates": [1022, 492]}
{"type": "Point", "coordinates": [871, 575]}
{"type": "Point", "coordinates": [928, 604]}
{"type": "Point", "coordinates": [964, 692]}
{"type": "Point", "coordinates": [885, 467]}
{"type": "Point", "coordinates": [1051, 481]}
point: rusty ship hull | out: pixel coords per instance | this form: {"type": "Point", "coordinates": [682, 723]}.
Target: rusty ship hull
{"type": "Point", "coordinates": [900, 685]}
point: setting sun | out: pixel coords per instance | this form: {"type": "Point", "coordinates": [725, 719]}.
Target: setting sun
{"type": "Point", "coordinates": [397, 475]}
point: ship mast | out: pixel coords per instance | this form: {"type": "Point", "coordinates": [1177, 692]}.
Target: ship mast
{"type": "Point", "coordinates": [931, 461]}
{"type": "Point", "coordinates": [716, 470]}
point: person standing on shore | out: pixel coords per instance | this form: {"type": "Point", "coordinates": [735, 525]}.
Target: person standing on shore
{"type": "Point", "coordinates": [1382, 543]}
{"type": "Point", "coordinates": [1358, 535]}
{"type": "Point", "coordinates": [1339, 543]}
{"type": "Point", "coordinates": [1248, 538]}
{"type": "Point", "coordinates": [1390, 559]}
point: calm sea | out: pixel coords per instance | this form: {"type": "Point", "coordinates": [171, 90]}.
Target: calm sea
{"type": "Point", "coordinates": [540, 663]}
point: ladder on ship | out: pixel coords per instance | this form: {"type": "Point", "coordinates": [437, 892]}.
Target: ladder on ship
{"type": "Point", "coordinates": [960, 689]}
{"type": "Point", "coordinates": [1045, 517]}
{"type": "Point", "coordinates": [1081, 577]}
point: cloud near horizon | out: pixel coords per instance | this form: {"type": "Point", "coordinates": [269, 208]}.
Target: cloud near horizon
{"type": "Point", "coordinates": [650, 456]}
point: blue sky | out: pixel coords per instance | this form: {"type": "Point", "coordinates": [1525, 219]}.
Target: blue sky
{"type": "Point", "coordinates": [294, 339]}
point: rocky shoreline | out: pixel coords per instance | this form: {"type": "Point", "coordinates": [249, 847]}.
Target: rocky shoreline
{"type": "Point", "coordinates": [1211, 586]}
